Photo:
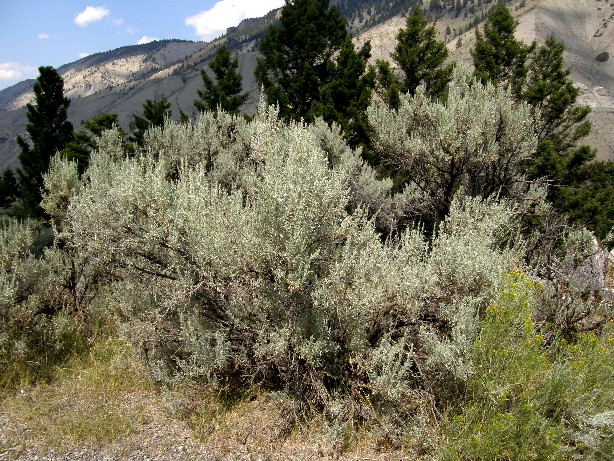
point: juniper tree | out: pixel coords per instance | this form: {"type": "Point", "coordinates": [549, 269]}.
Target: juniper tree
{"type": "Point", "coordinates": [49, 131]}
{"type": "Point", "coordinates": [225, 92]}
{"type": "Point", "coordinates": [296, 55]}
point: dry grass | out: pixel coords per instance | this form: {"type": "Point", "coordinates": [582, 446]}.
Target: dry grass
{"type": "Point", "coordinates": [104, 404]}
{"type": "Point", "coordinates": [269, 425]}
{"type": "Point", "coordinates": [94, 400]}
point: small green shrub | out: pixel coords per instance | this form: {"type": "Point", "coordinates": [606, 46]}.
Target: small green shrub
{"type": "Point", "coordinates": [603, 57]}
{"type": "Point", "coordinates": [526, 402]}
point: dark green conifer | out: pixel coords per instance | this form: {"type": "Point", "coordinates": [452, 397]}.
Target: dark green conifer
{"type": "Point", "coordinates": [225, 93]}
{"type": "Point", "coordinates": [580, 186]}
{"type": "Point", "coordinates": [552, 94]}
{"type": "Point", "coordinates": [498, 56]}
{"type": "Point", "coordinates": [49, 132]}
{"type": "Point", "coordinates": [587, 196]}
{"type": "Point", "coordinates": [536, 75]}
{"type": "Point", "coordinates": [345, 98]}
{"type": "Point", "coordinates": [296, 55]}
{"type": "Point", "coordinates": [8, 188]}
{"type": "Point", "coordinates": [388, 86]}
{"type": "Point", "coordinates": [421, 57]}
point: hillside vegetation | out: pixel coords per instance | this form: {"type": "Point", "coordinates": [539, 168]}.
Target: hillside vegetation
{"type": "Point", "coordinates": [122, 86]}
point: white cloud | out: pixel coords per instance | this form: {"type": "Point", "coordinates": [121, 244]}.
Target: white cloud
{"type": "Point", "coordinates": [15, 71]}
{"type": "Point", "coordinates": [83, 55]}
{"type": "Point", "coordinates": [91, 14]}
{"type": "Point", "coordinates": [43, 36]}
{"type": "Point", "coordinates": [146, 39]}
{"type": "Point", "coordinates": [132, 30]}
{"type": "Point", "coordinates": [117, 22]}
{"type": "Point", "coordinates": [212, 23]}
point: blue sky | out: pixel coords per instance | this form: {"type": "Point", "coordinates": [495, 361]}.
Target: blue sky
{"type": "Point", "coordinates": [37, 33]}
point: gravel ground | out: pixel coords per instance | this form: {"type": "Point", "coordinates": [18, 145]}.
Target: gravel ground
{"type": "Point", "coordinates": [252, 435]}
{"type": "Point", "coordinates": [161, 438]}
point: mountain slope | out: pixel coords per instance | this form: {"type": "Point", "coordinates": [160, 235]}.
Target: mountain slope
{"type": "Point", "coordinates": [585, 27]}
{"type": "Point", "coordinates": [121, 80]}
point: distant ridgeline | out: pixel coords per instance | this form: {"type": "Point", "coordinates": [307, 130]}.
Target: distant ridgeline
{"type": "Point", "coordinates": [121, 52]}
{"type": "Point", "coordinates": [364, 14]}
{"type": "Point", "coordinates": [360, 15]}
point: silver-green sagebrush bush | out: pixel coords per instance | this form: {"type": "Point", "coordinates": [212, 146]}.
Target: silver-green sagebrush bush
{"type": "Point", "coordinates": [476, 142]}
{"type": "Point", "coordinates": [247, 253]}
{"type": "Point", "coordinates": [252, 254]}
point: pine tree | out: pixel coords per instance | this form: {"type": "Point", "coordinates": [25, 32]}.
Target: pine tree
{"type": "Point", "coordinates": [155, 112]}
{"type": "Point", "coordinates": [586, 194]}
{"type": "Point", "coordinates": [559, 122]}
{"type": "Point", "coordinates": [421, 57]}
{"type": "Point", "coordinates": [536, 75]}
{"type": "Point", "coordinates": [344, 100]}
{"type": "Point", "coordinates": [226, 93]}
{"type": "Point", "coordinates": [552, 94]}
{"type": "Point", "coordinates": [49, 132]}
{"type": "Point", "coordinates": [498, 56]}
{"type": "Point", "coordinates": [580, 186]}
{"type": "Point", "coordinates": [296, 55]}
